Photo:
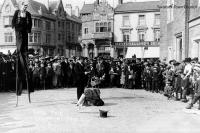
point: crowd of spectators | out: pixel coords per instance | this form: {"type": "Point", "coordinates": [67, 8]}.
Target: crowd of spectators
{"type": "Point", "coordinates": [176, 80]}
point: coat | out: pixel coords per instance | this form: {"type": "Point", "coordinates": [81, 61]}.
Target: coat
{"type": "Point", "coordinates": [80, 73]}
{"type": "Point", "coordinates": [17, 25]}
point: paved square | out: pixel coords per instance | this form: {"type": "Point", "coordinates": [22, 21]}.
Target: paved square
{"type": "Point", "coordinates": [130, 111]}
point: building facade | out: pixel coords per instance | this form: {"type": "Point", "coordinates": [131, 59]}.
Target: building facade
{"type": "Point", "coordinates": [97, 29]}
{"type": "Point", "coordinates": [194, 28]}
{"type": "Point", "coordinates": [49, 34]}
{"type": "Point", "coordinates": [174, 30]}
{"type": "Point", "coordinates": [137, 29]}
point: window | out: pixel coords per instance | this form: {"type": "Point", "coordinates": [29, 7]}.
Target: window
{"type": "Point", "coordinates": [126, 21]}
{"type": "Point", "coordinates": [36, 23]}
{"type": "Point", "coordinates": [109, 27]}
{"type": "Point", "coordinates": [141, 35]}
{"type": "Point", "coordinates": [63, 25]}
{"type": "Point", "coordinates": [142, 20]}
{"type": "Point", "coordinates": [97, 27]}
{"type": "Point", "coordinates": [101, 49]}
{"type": "Point", "coordinates": [86, 31]}
{"type": "Point", "coordinates": [59, 25]}
{"type": "Point", "coordinates": [72, 37]}
{"type": "Point", "coordinates": [68, 26]}
{"type": "Point", "coordinates": [63, 37]}
{"type": "Point", "coordinates": [8, 8]}
{"type": "Point", "coordinates": [103, 27]}
{"type": "Point", "coordinates": [73, 27]}
{"type": "Point", "coordinates": [8, 37]}
{"type": "Point", "coordinates": [157, 35]}
{"type": "Point", "coordinates": [157, 19]}
{"type": "Point", "coordinates": [31, 37]}
{"type": "Point", "coordinates": [107, 48]}
{"type": "Point", "coordinates": [35, 37]}
{"type": "Point", "coordinates": [59, 37]}
{"type": "Point", "coordinates": [126, 36]}
{"type": "Point", "coordinates": [69, 38]}
{"type": "Point", "coordinates": [48, 38]}
{"type": "Point", "coordinates": [8, 21]}
{"type": "Point", "coordinates": [48, 25]}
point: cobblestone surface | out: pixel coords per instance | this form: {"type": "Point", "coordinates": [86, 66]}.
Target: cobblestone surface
{"type": "Point", "coordinates": [130, 111]}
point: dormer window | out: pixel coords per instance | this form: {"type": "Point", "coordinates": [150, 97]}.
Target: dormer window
{"type": "Point", "coordinates": [7, 8]}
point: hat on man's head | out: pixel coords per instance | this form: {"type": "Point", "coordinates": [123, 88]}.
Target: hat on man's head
{"type": "Point", "coordinates": [80, 58]}
{"type": "Point", "coordinates": [187, 60]}
{"type": "Point", "coordinates": [195, 59]}
{"type": "Point", "coordinates": [176, 63]}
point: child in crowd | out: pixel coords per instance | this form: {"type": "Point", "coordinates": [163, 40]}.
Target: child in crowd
{"type": "Point", "coordinates": [196, 87]}
{"type": "Point", "coordinates": [168, 74]}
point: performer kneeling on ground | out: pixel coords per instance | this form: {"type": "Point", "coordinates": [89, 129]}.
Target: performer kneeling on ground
{"type": "Point", "coordinates": [90, 97]}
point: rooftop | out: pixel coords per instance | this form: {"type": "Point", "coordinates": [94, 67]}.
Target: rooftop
{"type": "Point", "coordinates": [87, 8]}
{"type": "Point", "coordinates": [138, 7]}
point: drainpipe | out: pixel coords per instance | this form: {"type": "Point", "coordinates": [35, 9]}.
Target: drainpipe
{"type": "Point", "coordinates": [187, 16]}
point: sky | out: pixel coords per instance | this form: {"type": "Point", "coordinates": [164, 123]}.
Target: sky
{"type": "Point", "coordinates": [80, 3]}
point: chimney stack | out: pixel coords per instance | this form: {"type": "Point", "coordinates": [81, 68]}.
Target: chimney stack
{"type": "Point", "coordinates": [46, 3]}
{"type": "Point", "coordinates": [68, 9]}
{"type": "Point", "coordinates": [97, 2]}
{"type": "Point", "coordinates": [77, 11]}
{"type": "Point", "coordinates": [120, 2]}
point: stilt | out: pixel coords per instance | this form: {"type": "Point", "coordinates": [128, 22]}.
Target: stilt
{"type": "Point", "coordinates": [16, 83]}
{"type": "Point", "coordinates": [44, 85]}
{"type": "Point", "coordinates": [17, 101]}
{"type": "Point", "coordinates": [28, 89]}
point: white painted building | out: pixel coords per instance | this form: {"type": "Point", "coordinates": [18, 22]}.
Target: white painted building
{"type": "Point", "coordinates": [137, 29]}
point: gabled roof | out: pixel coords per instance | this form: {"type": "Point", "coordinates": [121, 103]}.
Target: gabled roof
{"type": "Point", "coordinates": [53, 5]}
{"type": "Point", "coordinates": [34, 8]}
{"type": "Point", "coordinates": [14, 2]}
{"type": "Point", "coordinates": [138, 7]}
{"type": "Point", "coordinates": [87, 8]}
{"type": "Point", "coordinates": [76, 19]}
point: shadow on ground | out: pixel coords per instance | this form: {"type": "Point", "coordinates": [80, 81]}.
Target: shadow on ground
{"type": "Point", "coordinates": [120, 98]}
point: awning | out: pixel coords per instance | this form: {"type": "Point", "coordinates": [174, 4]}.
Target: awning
{"type": "Point", "coordinates": [5, 50]}
{"type": "Point", "coordinates": [141, 52]}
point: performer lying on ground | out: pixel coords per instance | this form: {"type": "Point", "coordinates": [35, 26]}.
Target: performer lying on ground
{"type": "Point", "coordinates": [90, 97]}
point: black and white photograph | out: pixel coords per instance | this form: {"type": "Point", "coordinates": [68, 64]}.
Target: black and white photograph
{"type": "Point", "coordinates": [99, 66]}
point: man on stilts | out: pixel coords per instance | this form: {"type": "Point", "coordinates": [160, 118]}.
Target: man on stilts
{"type": "Point", "coordinates": [22, 23]}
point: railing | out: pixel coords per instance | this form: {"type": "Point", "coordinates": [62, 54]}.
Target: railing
{"type": "Point", "coordinates": [137, 43]}
{"type": "Point", "coordinates": [100, 35]}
